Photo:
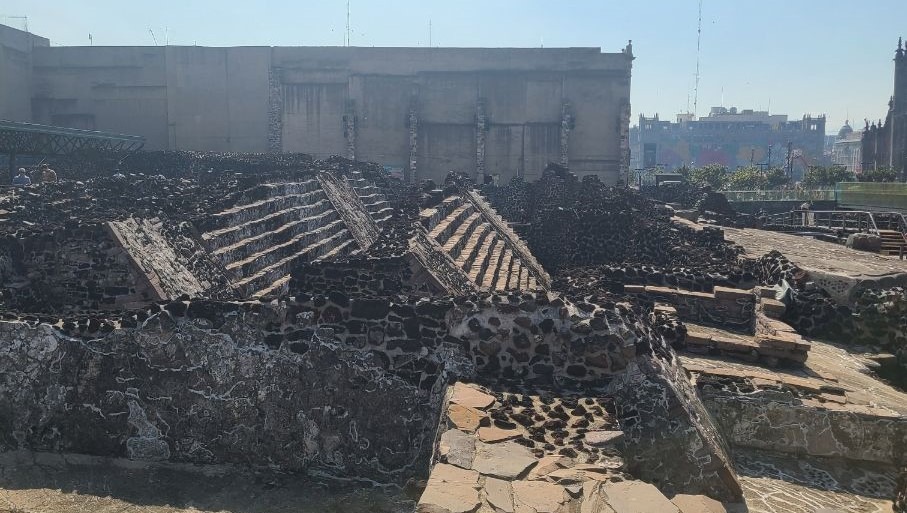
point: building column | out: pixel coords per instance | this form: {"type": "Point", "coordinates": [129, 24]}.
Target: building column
{"type": "Point", "coordinates": [624, 130]}
{"type": "Point", "coordinates": [567, 123]}
{"type": "Point", "coordinates": [350, 121]}
{"type": "Point", "coordinates": [275, 110]}
{"type": "Point", "coordinates": [481, 132]}
{"type": "Point", "coordinates": [410, 174]}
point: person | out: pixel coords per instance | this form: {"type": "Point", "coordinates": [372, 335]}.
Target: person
{"type": "Point", "coordinates": [22, 178]}
{"type": "Point", "coordinates": [48, 175]}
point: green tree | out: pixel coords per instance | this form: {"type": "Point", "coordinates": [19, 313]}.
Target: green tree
{"type": "Point", "coordinates": [882, 174]}
{"type": "Point", "coordinates": [751, 178]}
{"type": "Point", "coordinates": [713, 175]}
{"type": "Point", "coordinates": [822, 176]}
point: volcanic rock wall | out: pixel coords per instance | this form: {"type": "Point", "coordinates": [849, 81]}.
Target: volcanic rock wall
{"type": "Point", "coordinates": [72, 268]}
{"type": "Point", "coordinates": [307, 384]}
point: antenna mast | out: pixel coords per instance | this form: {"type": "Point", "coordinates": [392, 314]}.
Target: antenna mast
{"type": "Point", "coordinates": [347, 23]}
{"type": "Point", "coordinates": [698, 46]}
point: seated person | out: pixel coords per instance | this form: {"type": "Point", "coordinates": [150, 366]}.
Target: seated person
{"type": "Point", "coordinates": [22, 178]}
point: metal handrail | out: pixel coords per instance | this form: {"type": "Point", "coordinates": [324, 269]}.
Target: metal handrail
{"type": "Point", "coordinates": [856, 220]}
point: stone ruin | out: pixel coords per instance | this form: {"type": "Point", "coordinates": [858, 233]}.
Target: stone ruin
{"type": "Point", "coordinates": [540, 345]}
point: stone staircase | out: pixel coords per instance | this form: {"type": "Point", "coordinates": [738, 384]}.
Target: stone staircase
{"type": "Point", "coordinates": [477, 247]}
{"type": "Point", "coordinates": [892, 241]}
{"type": "Point", "coordinates": [375, 201]}
{"type": "Point", "coordinates": [259, 240]}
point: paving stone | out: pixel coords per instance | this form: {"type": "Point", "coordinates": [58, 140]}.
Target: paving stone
{"type": "Point", "coordinates": [495, 434]}
{"type": "Point", "coordinates": [697, 504]}
{"type": "Point", "coordinates": [594, 499]}
{"type": "Point", "coordinates": [506, 460]}
{"type": "Point", "coordinates": [464, 417]}
{"type": "Point", "coordinates": [637, 497]}
{"type": "Point", "coordinates": [499, 494]}
{"type": "Point", "coordinates": [599, 438]}
{"type": "Point", "coordinates": [547, 465]}
{"type": "Point", "coordinates": [467, 395]}
{"type": "Point", "coordinates": [537, 497]}
{"type": "Point", "coordinates": [450, 490]}
{"type": "Point", "coordinates": [457, 448]}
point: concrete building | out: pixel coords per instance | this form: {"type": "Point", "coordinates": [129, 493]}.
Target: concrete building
{"type": "Point", "coordinates": [729, 137]}
{"type": "Point", "coordinates": [885, 143]}
{"type": "Point", "coordinates": [422, 111]}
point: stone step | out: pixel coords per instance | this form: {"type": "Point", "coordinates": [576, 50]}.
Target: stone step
{"type": "Point", "coordinates": [430, 217]}
{"type": "Point", "coordinates": [370, 198]}
{"type": "Point", "coordinates": [250, 211]}
{"type": "Point", "coordinates": [502, 274]}
{"type": "Point", "coordinates": [377, 206]}
{"type": "Point", "coordinates": [471, 249]}
{"type": "Point", "coordinates": [278, 288]}
{"type": "Point", "coordinates": [513, 278]}
{"type": "Point", "coordinates": [344, 248]}
{"type": "Point", "coordinates": [494, 263]}
{"type": "Point", "coordinates": [367, 190]}
{"type": "Point", "coordinates": [458, 239]}
{"type": "Point", "coordinates": [449, 224]}
{"type": "Point", "coordinates": [232, 234]}
{"type": "Point", "coordinates": [264, 258]}
{"type": "Point", "coordinates": [533, 285]}
{"type": "Point", "coordinates": [271, 190]}
{"type": "Point", "coordinates": [262, 242]}
{"type": "Point", "coordinates": [488, 256]}
{"type": "Point", "coordinates": [524, 278]}
{"type": "Point", "coordinates": [266, 276]}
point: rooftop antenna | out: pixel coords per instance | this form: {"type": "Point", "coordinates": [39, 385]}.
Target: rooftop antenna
{"type": "Point", "coordinates": [347, 23]}
{"type": "Point", "coordinates": [698, 46]}
{"type": "Point", "coordinates": [152, 36]}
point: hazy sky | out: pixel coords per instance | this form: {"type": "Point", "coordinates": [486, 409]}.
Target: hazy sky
{"type": "Point", "coordinates": [794, 56]}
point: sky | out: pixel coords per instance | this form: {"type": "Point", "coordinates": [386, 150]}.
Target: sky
{"type": "Point", "coordinates": [791, 57]}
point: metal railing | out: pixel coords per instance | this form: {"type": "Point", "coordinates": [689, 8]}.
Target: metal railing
{"type": "Point", "coordinates": [845, 220]}
{"type": "Point", "coordinates": [781, 195]}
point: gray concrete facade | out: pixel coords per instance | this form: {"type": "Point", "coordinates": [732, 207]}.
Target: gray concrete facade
{"type": "Point", "coordinates": [416, 110]}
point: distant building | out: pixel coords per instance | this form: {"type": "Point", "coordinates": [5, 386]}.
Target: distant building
{"type": "Point", "coordinates": [847, 150]}
{"type": "Point", "coordinates": [885, 144]}
{"type": "Point", "coordinates": [729, 137]}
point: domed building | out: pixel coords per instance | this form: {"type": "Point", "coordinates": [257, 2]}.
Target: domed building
{"type": "Point", "coordinates": [848, 149]}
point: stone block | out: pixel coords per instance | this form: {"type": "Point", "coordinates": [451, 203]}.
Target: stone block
{"type": "Point", "coordinates": [506, 460]}
{"type": "Point", "coordinates": [697, 504]}
{"type": "Point", "coordinates": [733, 294]}
{"type": "Point", "coordinates": [450, 490]}
{"type": "Point", "coordinates": [637, 497]}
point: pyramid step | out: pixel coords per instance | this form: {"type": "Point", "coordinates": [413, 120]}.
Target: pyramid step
{"type": "Point", "coordinates": [280, 268]}
{"type": "Point", "coordinates": [241, 250]}
{"type": "Point", "coordinates": [250, 211]}
{"type": "Point", "coordinates": [220, 238]}
{"type": "Point", "coordinates": [430, 217]}
{"type": "Point", "coordinates": [455, 243]}
{"type": "Point", "coordinates": [471, 249]}
{"type": "Point", "coordinates": [485, 277]}
{"type": "Point", "coordinates": [446, 227]}
{"type": "Point", "coordinates": [255, 262]}
{"type": "Point", "coordinates": [502, 274]}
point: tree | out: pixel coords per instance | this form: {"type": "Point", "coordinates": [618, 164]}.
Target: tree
{"type": "Point", "coordinates": [751, 178]}
{"type": "Point", "coordinates": [822, 176]}
{"type": "Point", "coordinates": [882, 174]}
{"type": "Point", "coordinates": [713, 175]}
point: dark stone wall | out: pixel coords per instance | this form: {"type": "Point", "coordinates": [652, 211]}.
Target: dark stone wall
{"type": "Point", "coordinates": [308, 383]}
{"type": "Point", "coordinates": [76, 268]}
{"type": "Point", "coordinates": [900, 500]}
{"type": "Point", "coordinates": [570, 222]}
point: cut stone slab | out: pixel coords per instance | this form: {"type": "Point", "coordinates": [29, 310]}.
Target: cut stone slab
{"type": "Point", "coordinates": [549, 464]}
{"type": "Point", "coordinates": [467, 395]}
{"type": "Point", "coordinates": [465, 418]}
{"type": "Point", "coordinates": [457, 448]}
{"type": "Point", "coordinates": [594, 500]}
{"type": "Point", "coordinates": [450, 489]}
{"type": "Point", "coordinates": [495, 434]}
{"type": "Point", "coordinates": [499, 494]}
{"type": "Point", "coordinates": [637, 497]}
{"type": "Point", "coordinates": [600, 438]}
{"type": "Point", "coordinates": [537, 497]}
{"type": "Point", "coordinates": [697, 504]}
{"type": "Point", "coordinates": [506, 460]}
